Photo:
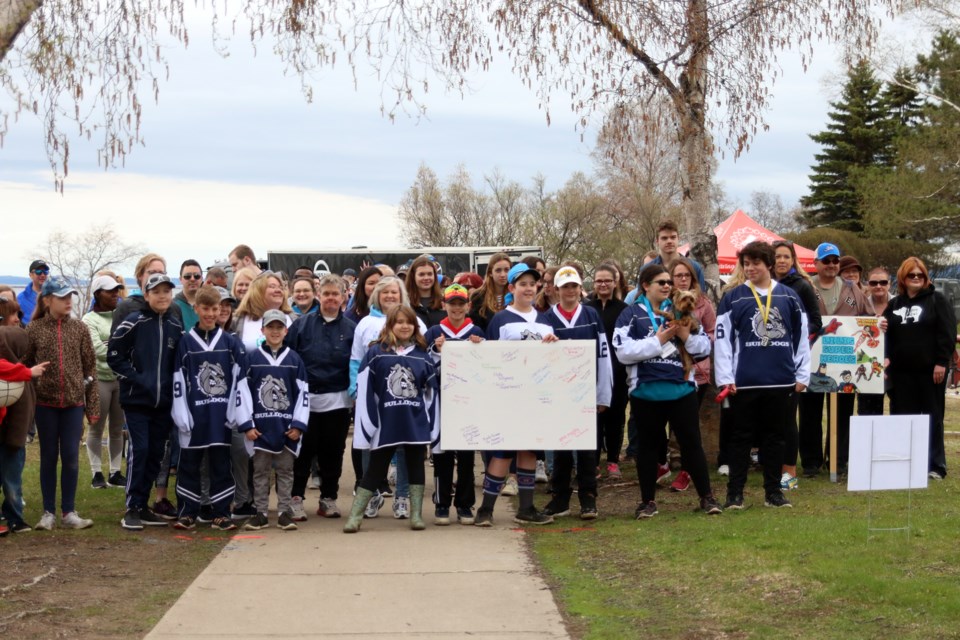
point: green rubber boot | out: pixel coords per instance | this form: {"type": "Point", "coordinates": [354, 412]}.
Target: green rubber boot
{"type": "Point", "coordinates": [356, 511]}
{"type": "Point", "coordinates": [416, 507]}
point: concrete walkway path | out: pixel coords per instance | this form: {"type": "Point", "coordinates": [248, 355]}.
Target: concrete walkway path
{"type": "Point", "coordinates": [384, 582]}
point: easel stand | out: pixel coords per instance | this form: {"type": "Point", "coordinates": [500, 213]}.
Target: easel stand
{"type": "Point", "coordinates": [833, 436]}
{"type": "Point", "coordinates": [877, 463]}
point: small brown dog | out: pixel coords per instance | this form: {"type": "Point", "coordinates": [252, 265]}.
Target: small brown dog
{"type": "Point", "coordinates": [684, 302]}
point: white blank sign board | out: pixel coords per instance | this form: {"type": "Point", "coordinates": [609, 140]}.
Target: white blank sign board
{"type": "Point", "coordinates": [888, 452]}
{"type": "Point", "coordinates": [518, 395]}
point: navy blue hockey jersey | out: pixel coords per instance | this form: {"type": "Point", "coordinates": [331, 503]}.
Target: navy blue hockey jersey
{"type": "Point", "coordinates": [752, 353]}
{"type": "Point", "coordinates": [511, 324]}
{"type": "Point", "coordinates": [586, 325]}
{"type": "Point", "coordinates": [275, 399]}
{"type": "Point", "coordinates": [397, 399]}
{"type": "Point", "coordinates": [204, 387]}
{"type": "Point", "coordinates": [445, 329]}
{"type": "Point", "coordinates": [638, 348]}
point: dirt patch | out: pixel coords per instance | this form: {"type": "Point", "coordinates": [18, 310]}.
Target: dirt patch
{"type": "Point", "coordinates": [87, 585]}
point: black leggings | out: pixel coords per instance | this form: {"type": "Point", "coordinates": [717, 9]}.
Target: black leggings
{"type": "Point", "coordinates": [683, 416]}
{"type": "Point", "coordinates": [380, 463]}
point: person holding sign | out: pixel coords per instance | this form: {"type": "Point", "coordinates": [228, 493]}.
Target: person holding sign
{"type": "Point", "coordinates": [456, 326]}
{"type": "Point", "coordinates": [519, 321]}
{"type": "Point", "coordinates": [662, 389]}
{"type": "Point", "coordinates": [921, 339]}
{"type": "Point", "coordinates": [573, 321]}
{"type": "Point", "coordinates": [762, 359]}
{"type": "Point", "coordinates": [397, 407]}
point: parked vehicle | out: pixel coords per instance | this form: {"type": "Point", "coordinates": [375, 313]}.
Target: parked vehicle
{"type": "Point", "coordinates": [452, 260]}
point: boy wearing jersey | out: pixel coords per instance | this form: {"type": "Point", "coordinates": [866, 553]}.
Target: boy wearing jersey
{"type": "Point", "coordinates": [273, 409]}
{"type": "Point", "coordinates": [762, 357]}
{"type": "Point", "coordinates": [573, 321]}
{"type": "Point", "coordinates": [210, 365]}
{"type": "Point", "coordinates": [456, 326]}
{"type": "Point", "coordinates": [519, 321]}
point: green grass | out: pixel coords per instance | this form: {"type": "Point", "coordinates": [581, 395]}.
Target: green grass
{"type": "Point", "coordinates": [108, 582]}
{"type": "Point", "coordinates": [814, 571]}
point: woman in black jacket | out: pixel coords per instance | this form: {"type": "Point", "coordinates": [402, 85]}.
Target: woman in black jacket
{"type": "Point", "coordinates": [605, 299]}
{"type": "Point", "coordinates": [787, 271]}
{"type": "Point", "coordinates": [921, 339]}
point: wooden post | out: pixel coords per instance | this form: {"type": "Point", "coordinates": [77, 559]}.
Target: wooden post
{"type": "Point", "coordinates": [833, 437]}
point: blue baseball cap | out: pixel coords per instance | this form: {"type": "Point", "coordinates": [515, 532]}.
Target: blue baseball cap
{"type": "Point", "coordinates": [520, 269]}
{"type": "Point", "coordinates": [825, 249]}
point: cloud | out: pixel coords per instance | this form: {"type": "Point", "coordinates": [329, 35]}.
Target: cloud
{"type": "Point", "coordinates": [181, 218]}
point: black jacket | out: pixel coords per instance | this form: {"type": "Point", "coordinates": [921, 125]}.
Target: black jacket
{"type": "Point", "coordinates": [809, 299]}
{"type": "Point", "coordinates": [921, 332]}
{"type": "Point", "coordinates": [143, 353]}
{"type": "Point", "coordinates": [325, 349]}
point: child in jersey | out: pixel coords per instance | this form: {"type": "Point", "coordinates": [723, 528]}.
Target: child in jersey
{"type": "Point", "coordinates": [762, 360]}
{"type": "Point", "coordinates": [573, 321]}
{"type": "Point", "coordinates": [456, 326]}
{"type": "Point", "coordinates": [273, 409]}
{"type": "Point", "coordinates": [519, 321]}
{"type": "Point", "coordinates": [211, 364]}
{"type": "Point", "coordinates": [396, 407]}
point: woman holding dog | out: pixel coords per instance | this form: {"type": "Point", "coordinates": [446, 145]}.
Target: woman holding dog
{"type": "Point", "coordinates": [662, 387]}
{"type": "Point", "coordinates": [685, 279]}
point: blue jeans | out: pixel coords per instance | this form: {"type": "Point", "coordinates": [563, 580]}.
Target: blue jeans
{"type": "Point", "coordinates": [11, 480]}
{"type": "Point", "coordinates": [59, 431]}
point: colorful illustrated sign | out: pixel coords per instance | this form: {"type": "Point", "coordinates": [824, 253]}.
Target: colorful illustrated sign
{"type": "Point", "coordinates": [847, 356]}
{"type": "Point", "coordinates": [518, 395]}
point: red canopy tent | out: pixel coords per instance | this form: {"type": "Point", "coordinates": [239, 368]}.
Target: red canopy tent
{"type": "Point", "coordinates": [740, 229]}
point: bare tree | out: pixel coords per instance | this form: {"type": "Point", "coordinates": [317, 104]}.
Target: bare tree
{"type": "Point", "coordinates": [712, 62]}
{"type": "Point", "coordinates": [457, 213]}
{"type": "Point", "coordinates": [78, 258]}
{"type": "Point", "coordinates": [768, 210]}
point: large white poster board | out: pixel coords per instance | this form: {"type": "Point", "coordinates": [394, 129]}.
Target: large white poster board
{"type": "Point", "coordinates": [847, 356]}
{"type": "Point", "coordinates": [888, 452]}
{"type": "Point", "coordinates": [518, 395]}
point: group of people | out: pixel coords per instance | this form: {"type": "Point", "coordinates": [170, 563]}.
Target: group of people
{"type": "Point", "coordinates": [253, 387]}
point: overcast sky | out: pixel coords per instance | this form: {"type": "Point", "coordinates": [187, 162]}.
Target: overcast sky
{"type": "Point", "coordinates": [234, 154]}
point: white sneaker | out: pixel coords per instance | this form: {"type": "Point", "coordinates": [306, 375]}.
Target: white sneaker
{"type": "Point", "coordinates": [313, 482]}
{"type": "Point", "coordinates": [373, 507]}
{"type": "Point", "coordinates": [73, 520]}
{"type": "Point", "coordinates": [47, 522]}
{"type": "Point", "coordinates": [299, 515]}
{"type": "Point", "coordinates": [510, 487]}
{"type": "Point", "coordinates": [541, 472]}
{"type": "Point", "coordinates": [724, 470]}
{"type": "Point", "coordinates": [401, 508]}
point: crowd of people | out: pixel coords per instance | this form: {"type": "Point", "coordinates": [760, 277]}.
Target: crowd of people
{"type": "Point", "coordinates": [245, 390]}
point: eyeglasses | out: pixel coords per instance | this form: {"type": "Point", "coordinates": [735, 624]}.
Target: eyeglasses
{"type": "Point", "coordinates": [192, 276]}
{"type": "Point", "coordinates": [878, 283]}
{"type": "Point", "coordinates": [41, 272]}
{"type": "Point", "coordinates": [663, 283]}
{"type": "Point", "coordinates": [916, 275]}
{"type": "Point", "coordinates": [604, 282]}
{"type": "Point", "coordinates": [831, 260]}
{"type": "Point", "coordinates": [681, 276]}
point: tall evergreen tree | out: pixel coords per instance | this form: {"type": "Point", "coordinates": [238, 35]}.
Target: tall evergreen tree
{"type": "Point", "coordinates": [859, 134]}
{"type": "Point", "coordinates": [919, 197]}
{"type": "Point", "coordinates": [903, 101]}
